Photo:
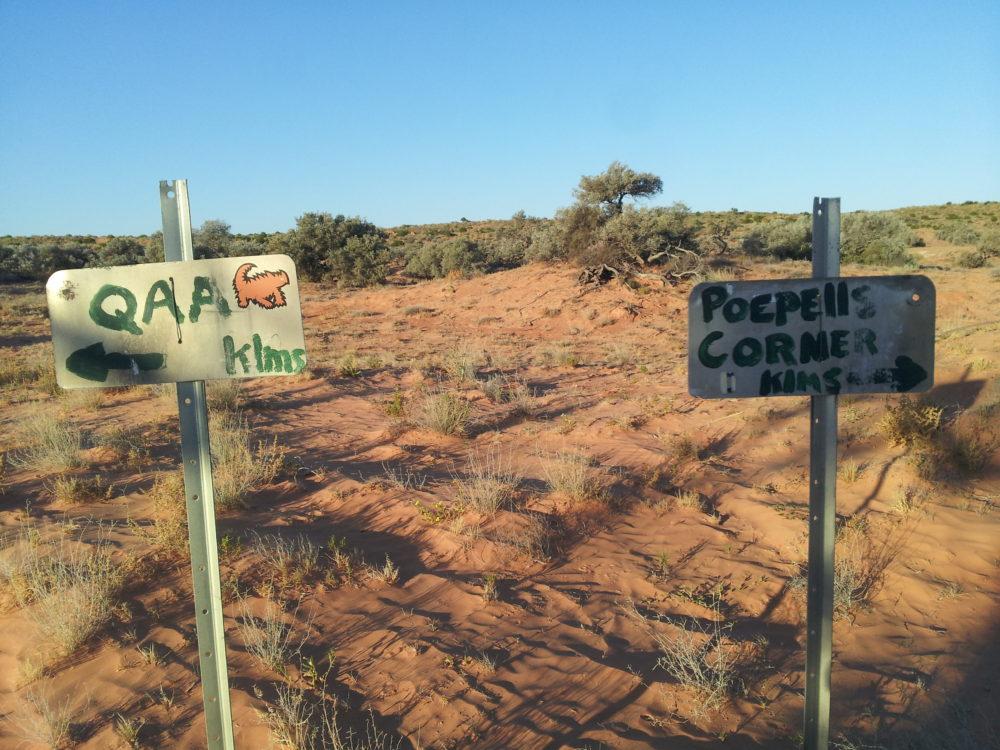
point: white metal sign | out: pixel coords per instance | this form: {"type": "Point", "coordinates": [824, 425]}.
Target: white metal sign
{"type": "Point", "coordinates": [174, 322]}
{"type": "Point", "coordinates": [811, 337]}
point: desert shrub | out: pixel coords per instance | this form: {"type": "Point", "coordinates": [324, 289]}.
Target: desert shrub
{"type": "Point", "coordinates": [28, 367]}
{"type": "Point", "coordinates": [909, 420]}
{"type": "Point", "coordinates": [570, 474]}
{"type": "Point", "coordinates": [287, 561]}
{"type": "Point", "coordinates": [862, 557]}
{"type": "Point", "coordinates": [72, 587]}
{"type": "Point", "coordinates": [213, 240]}
{"type": "Point", "coordinates": [508, 248]}
{"type": "Point", "coordinates": [320, 246]}
{"type": "Point", "coordinates": [299, 720]}
{"type": "Point", "coordinates": [875, 238]}
{"type": "Point", "coordinates": [119, 251]}
{"type": "Point", "coordinates": [958, 233]}
{"type": "Point", "coordinates": [128, 443]}
{"type": "Point", "coordinates": [69, 489]}
{"type": "Point", "coordinates": [28, 260]}
{"type": "Point", "coordinates": [444, 413]}
{"type": "Point", "coordinates": [461, 363]}
{"type": "Point", "coordinates": [989, 244]}
{"type": "Point", "coordinates": [43, 720]}
{"type": "Point", "coordinates": [50, 444]}
{"type": "Point", "coordinates": [489, 482]}
{"type": "Point", "coordinates": [784, 239]}
{"type": "Point", "coordinates": [635, 236]}
{"type": "Point", "coordinates": [697, 653]}
{"type": "Point", "coordinates": [973, 259]}
{"type": "Point", "coordinates": [266, 636]}
{"type": "Point", "coordinates": [962, 447]}
{"type": "Point", "coordinates": [361, 261]}
{"type": "Point", "coordinates": [437, 260]}
{"type": "Point", "coordinates": [529, 534]}
{"type": "Point", "coordinates": [548, 243]}
{"type": "Point", "coordinates": [240, 465]}
{"type": "Point", "coordinates": [225, 395]}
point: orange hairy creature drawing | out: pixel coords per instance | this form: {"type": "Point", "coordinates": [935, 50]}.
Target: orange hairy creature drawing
{"type": "Point", "coordinates": [262, 288]}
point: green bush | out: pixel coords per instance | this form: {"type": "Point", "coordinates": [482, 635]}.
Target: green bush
{"type": "Point", "coordinates": [119, 251]}
{"type": "Point", "coordinates": [634, 236]}
{"type": "Point", "coordinates": [361, 261]}
{"type": "Point", "coordinates": [548, 242]}
{"type": "Point", "coordinates": [872, 238]}
{"type": "Point", "coordinates": [989, 244]}
{"type": "Point", "coordinates": [783, 239]}
{"type": "Point", "coordinates": [958, 234]}
{"type": "Point", "coordinates": [319, 247]}
{"type": "Point", "coordinates": [436, 260]}
{"type": "Point", "coordinates": [973, 259]}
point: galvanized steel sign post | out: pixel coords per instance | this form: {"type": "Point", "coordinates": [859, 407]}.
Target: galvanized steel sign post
{"type": "Point", "coordinates": [819, 337]}
{"type": "Point", "coordinates": [183, 321]}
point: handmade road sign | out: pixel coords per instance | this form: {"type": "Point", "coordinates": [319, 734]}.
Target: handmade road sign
{"type": "Point", "coordinates": [174, 322]}
{"type": "Point", "coordinates": [811, 337]}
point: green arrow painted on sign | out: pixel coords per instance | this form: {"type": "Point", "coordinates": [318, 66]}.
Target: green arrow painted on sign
{"type": "Point", "coordinates": [93, 363]}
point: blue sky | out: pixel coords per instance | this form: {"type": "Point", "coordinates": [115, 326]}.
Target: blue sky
{"type": "Point", "coordinates": [430, 111]}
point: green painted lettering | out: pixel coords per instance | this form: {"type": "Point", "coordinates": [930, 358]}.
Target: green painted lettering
{"type": "Point", "coordinates": [119, 320]}
{"type": "Point", "coordinates": [166, 299]}
{"type": "Point", "coordinates": [706, 357]}
{"type": "Point", "coordinates": [206, 293]}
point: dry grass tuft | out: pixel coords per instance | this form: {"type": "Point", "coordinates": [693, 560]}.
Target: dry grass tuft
{"type": "Point", "coordinates": [241, 465]}
{"type": "Point", "coordinates": [288, 561]}
{"type": "Point", "coordinates": [225, 396]}
{"type": "Point", "coordinates": [43, 720]}
{"type": "Point", "coordinates": [51, 444]}
{"type": "Point", "coordinates": [69, 589]}
{"type": "Point", "coordinates": [490, 482]}
{"type": "Point", "coordinates": [696, 652]}
{"type": "Point", "coordinates": [169, 528]}
{"type": "Point", "coordinates": [444, 413]}
{"type": "Point", "coordinates": [301, 720]}
{"type": "Point", "coordinates": [570, 474]}
{"type": "Point", "coordinates": [69, 489]}
{"type": "Point", "coordinates": [267, 637]}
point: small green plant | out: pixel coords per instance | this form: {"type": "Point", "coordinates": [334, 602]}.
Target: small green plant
{"type": "Point", "coordinates": [395, 407]}
{"type": "Point", "coordinates": [129, 729]}
{"type": "Point", "coordinates": [387, 573]}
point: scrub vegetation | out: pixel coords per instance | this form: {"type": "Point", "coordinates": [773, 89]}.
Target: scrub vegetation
{"type": "Point", "coordinates": [492, 485]}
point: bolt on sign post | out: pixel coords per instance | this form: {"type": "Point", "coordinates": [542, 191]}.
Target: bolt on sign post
{"type": "Point", "coordinates": [820, 337]}
{"type": "Point", "coordinates": [183, 321]}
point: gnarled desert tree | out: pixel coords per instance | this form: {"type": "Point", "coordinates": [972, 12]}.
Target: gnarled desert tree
{"type": "Point", "coordinates": [609, 189]}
